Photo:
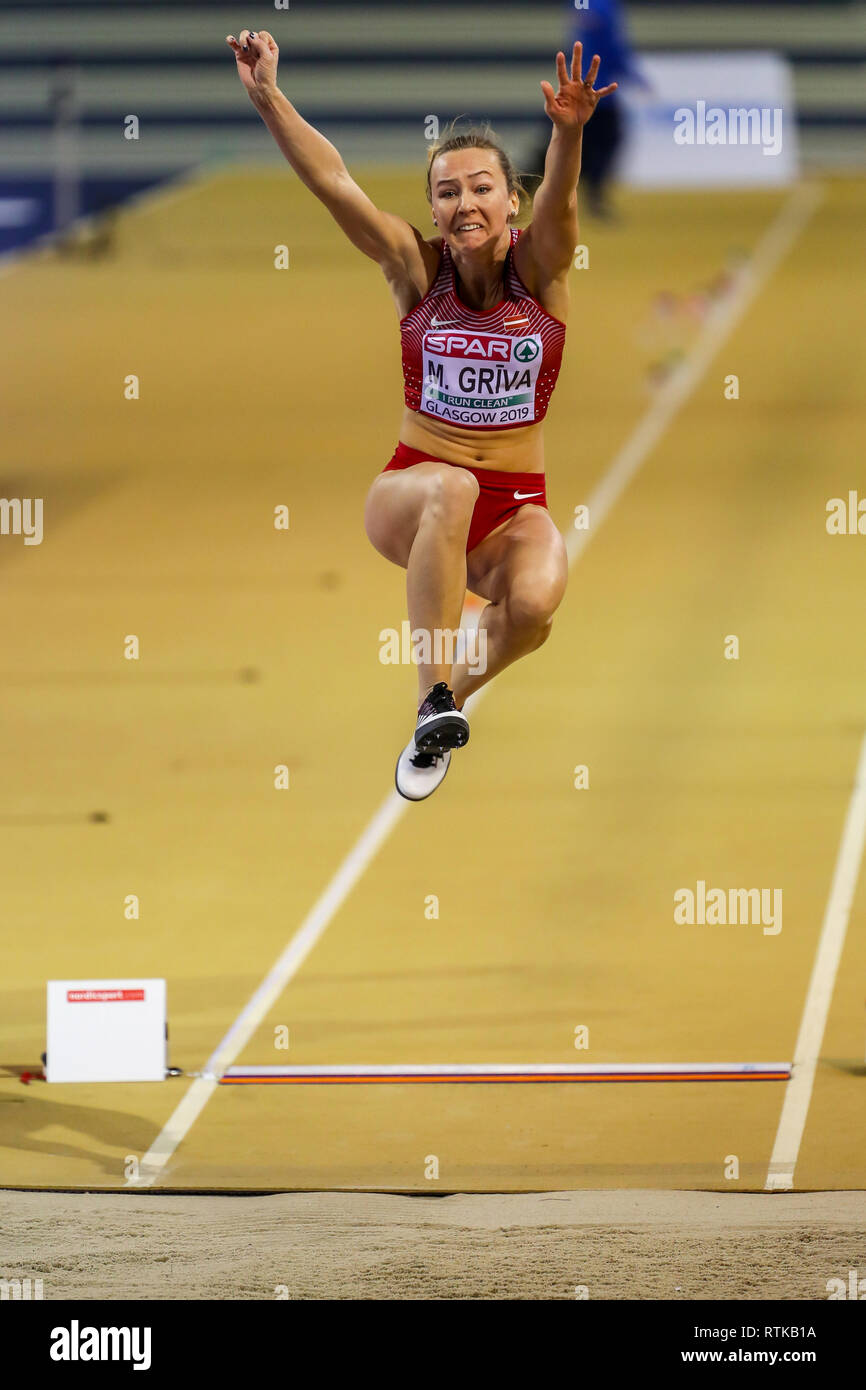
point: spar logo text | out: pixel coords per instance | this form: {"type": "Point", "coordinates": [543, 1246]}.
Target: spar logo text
{"type": "Point", "coordinates": [461, 345]}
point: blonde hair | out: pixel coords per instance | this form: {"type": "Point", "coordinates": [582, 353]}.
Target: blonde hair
{"type": "Point", "coordinates": [480, 137]}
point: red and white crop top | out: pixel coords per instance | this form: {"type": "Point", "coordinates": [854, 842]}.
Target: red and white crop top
{"type": "Point", "coordinates": [490, 370]}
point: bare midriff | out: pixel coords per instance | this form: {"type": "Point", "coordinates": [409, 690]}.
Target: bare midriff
{"type": "Point", "coordinates": [508, 451]}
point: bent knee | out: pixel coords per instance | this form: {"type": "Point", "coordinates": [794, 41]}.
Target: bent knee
{"type": "Point", "coordinates": [543, 632]}
{"type": "Point", "coordinates": [450, 492]}
{"type": "Point", "coordinates": [532, 610]}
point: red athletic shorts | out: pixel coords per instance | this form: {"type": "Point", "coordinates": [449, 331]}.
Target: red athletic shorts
{"type": "Point", "coordinates": [501, 495]}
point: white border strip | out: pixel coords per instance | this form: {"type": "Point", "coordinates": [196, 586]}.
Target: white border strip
{"type": "Point", "coordinates": [783, 230]}
{"type": "Point", "coordinates": [792, 1122]}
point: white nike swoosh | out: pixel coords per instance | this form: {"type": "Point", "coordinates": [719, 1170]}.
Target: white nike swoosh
{"type": "Point", "coordinates": [440, 323]}
{"type": "Point", "coordinates": [519, 496]}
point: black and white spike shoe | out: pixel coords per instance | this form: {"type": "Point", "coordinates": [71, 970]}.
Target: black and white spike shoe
{"type": "Point", "coordinates": [419, 774]}
{"type": "Point", "coordinates": [441, 725]}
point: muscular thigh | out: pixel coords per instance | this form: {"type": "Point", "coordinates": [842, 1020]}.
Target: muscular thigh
{"type": "Point", "coordinates": [397, 500]}
{"type": "Point", "coordinates": [527, 547]}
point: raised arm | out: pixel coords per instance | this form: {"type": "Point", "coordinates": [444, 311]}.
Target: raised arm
{"type": "Point", "coordinates": [385, 238]}
{"type": "Point", "coordinates": [554, 232]}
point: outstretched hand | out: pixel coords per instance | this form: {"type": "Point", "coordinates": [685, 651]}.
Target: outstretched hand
{"type": "Point", "coordinates": [257, 56]}
{"type": "Point", "coordinates": [574, 103]}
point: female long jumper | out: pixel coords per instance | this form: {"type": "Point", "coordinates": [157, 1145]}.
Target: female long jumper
{"type": "Point", "coordinates": [482, 310]}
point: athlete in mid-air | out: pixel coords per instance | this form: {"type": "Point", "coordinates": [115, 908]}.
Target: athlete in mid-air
{"type": "Point", "coordinates": [482, 318]}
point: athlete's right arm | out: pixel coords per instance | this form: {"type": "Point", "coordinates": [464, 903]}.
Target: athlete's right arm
{"type": "Point", "coordinates": [384, 237]}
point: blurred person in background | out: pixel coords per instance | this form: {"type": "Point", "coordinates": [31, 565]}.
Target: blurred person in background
{"type": "Point", "coordinates": [601, 28]}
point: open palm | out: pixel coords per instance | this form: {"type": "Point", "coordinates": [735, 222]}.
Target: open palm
{"type": "Point", "coordinates": [576, 99]}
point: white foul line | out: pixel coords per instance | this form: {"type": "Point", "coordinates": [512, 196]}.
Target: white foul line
{"type": "Point", "coordinates": [792, 1122]}
{"type": "Point", "coordinates": [790, 220]}
{"type": "Point", "coordinates": [516, 1071]}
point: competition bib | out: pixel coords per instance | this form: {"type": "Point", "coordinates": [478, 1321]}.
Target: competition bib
{"type": "Point", "coordinates": [480, 378]}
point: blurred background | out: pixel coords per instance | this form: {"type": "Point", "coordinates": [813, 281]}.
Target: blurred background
{"type": "Point", "coordinates": [369, 74]}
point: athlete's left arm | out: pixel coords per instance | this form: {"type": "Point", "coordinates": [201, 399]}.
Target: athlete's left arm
{"type": "Point", "coordinates": [552, 237]}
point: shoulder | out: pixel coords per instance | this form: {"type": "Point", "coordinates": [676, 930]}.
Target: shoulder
{"type": "Point", "coordinates": [551, 290]}
{"type": "Point", "coordinates": [411, 243]}
{"type": "Point", "coordinates": [413, 274]}
{"type": "Point", "coordinates": [523, 259]}
{"type": "Point", "coordinates": [435, 250]}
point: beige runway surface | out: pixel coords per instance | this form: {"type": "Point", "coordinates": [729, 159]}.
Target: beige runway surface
{"type": "Point", "coordinates": [555, 905]}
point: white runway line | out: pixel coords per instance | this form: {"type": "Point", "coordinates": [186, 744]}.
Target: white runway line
{"type": "Point", "coordinates": [792, 1122]}
{"type": "Point", "coordinates": [785, 227]}
{"type": "Point", "coordinates": [721, 319]}
{"type": "Point", "coordinates": [281, 972]}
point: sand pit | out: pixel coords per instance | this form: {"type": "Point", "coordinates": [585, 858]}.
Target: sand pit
{"type": "Point", "coordinates": [617, 1245]}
